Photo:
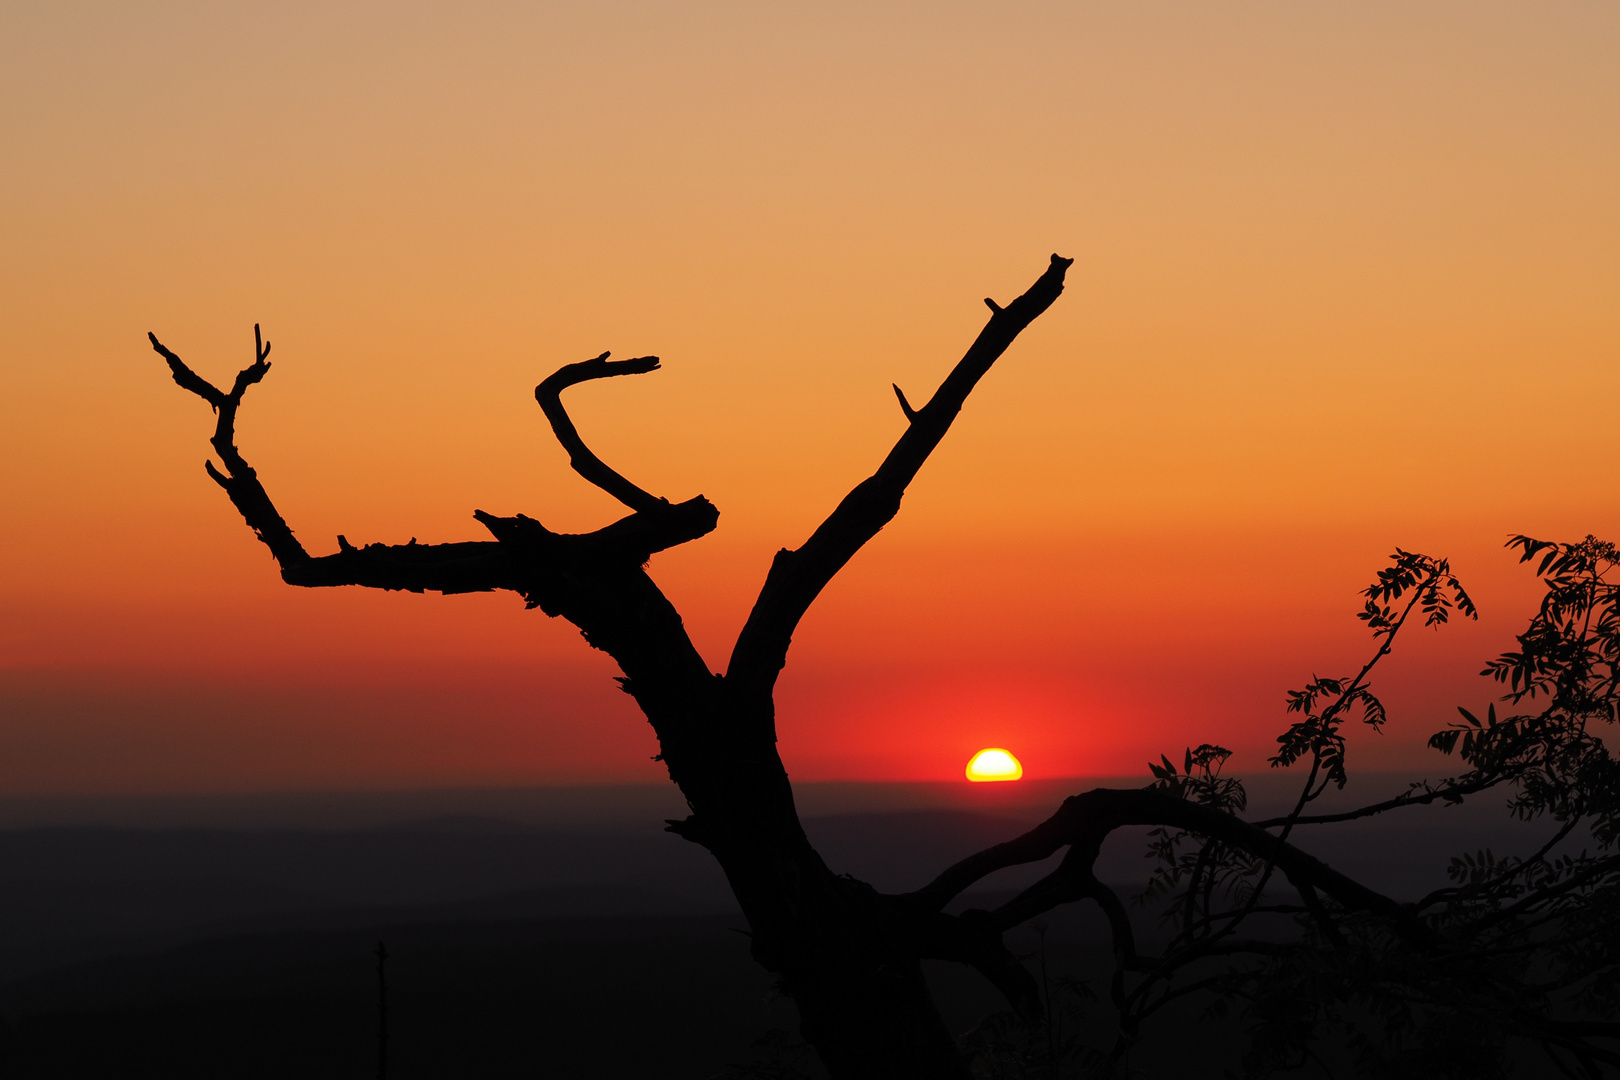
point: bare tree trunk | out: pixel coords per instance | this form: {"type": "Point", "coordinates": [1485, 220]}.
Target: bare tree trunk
{"type": "Point", "coordinates": [848, 956]}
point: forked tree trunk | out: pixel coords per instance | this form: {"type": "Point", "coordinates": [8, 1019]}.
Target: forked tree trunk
{"type": "Point", "coordinates": [850, 958]}
{"type": "Point", "coordinates": [848, 955]}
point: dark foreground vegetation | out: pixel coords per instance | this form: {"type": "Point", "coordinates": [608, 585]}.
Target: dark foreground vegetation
{"type": "Point", "coordinates": [1517, 955]}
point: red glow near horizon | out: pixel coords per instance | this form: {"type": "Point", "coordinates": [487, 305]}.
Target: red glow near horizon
{"type": "Point", "coordinates": [1296, 230]}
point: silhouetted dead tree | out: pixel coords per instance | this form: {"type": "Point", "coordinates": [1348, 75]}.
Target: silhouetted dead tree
{"type": "Point", "coordinates": [850, 956]}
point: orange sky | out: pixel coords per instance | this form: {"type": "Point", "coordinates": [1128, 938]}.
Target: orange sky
{"type": "Point", "coordinates": [1346, 278]}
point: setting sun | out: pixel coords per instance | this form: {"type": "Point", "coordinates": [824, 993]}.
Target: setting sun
{"type": "Point", "coordinates": [994, 764]}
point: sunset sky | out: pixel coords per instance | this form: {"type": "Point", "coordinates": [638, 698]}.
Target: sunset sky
{"type": "Point", "coordinates": [1347, 277]}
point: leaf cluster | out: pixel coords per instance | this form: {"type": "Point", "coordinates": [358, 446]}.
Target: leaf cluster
{"type": "Point", "coordinates": [1210, 870]}
{"type": "Point", "coordinates": [1568, 659]}
{"type": "Point", "coordinates": [1412, 584]}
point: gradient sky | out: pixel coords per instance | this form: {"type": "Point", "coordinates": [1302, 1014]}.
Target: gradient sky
{"type": "Point", "coordinates": [1347, 277]}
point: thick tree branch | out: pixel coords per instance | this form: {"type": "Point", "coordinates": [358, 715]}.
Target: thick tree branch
{"type": "Point", "coordinates": [594, 580]}
{"type": "Point", "coordinates": [473, 566]}
{"type": "Point", "coordinates": [631, 540]}
{"type": "Point", "coordinates": [797, 577]}
{"type": "Point", "coordinates": [524, 557]}
{"type": "Point", "coordinates": [974, 939]}
{"type": "Point", "coordinates": [587, 464]}
{"type": "Point", "coordinates": [449, 568]}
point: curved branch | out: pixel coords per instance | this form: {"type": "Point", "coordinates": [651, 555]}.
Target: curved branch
{"type": "Point", "coordinates": [587, 464]}
{"type": "Point", "coordinates": [1451, 792]}
{"type": "Point", "coordinates": [1085, 820]}
{"type": "Point", "coordinates": [796, 578]}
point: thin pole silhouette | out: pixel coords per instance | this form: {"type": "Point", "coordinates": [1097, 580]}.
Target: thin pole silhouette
{"type": "Point", "coordinates": [382, 1013]}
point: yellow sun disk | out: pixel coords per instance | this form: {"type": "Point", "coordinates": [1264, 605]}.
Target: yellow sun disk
{"type": "Point", "coordinates": [994, 764]}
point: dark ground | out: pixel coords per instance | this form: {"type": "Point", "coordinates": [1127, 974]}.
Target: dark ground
{"type": "Point", "coordinates": [645, 997]}
{"type": "Point", "coordinates": [519, 945]}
